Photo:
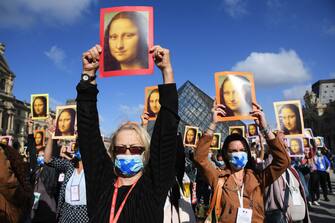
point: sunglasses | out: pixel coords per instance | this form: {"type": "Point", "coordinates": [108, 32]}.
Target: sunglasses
{"type": "Point", "coordinates": [135, 150]}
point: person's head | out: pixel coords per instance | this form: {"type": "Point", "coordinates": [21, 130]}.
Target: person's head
{"type": "Point", "coordinates": [290, 119]}
{"type": "Point", "coordinates": [126, 41]}
{"type": "Point", "coordinates": [215, 141]}
{"type": "Point", "coordinates": [39, 138]}
{"type": "Point", "coordinates": [190, 136]}
{"type": "Point", "coordinates": [65, 122]}
{"type": "Point", "coordinates": [235, 95]}
{"type": "Point", "coordinates": [130, 145]}
{"type": "Point", "coordinates": [236, 153]}
{"type": "Point", "coordinates": [153, 104]}
{"type": "Point", "coordinates": [295, 146]}
{"type": "Point", "coordinates": [307, 152]}
{"type": "Point", "coordinates": [252, 130]}
{"type": "Point", "coordinates": [40, 106]}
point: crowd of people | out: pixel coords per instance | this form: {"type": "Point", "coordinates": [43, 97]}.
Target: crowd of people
{"type": "Point", "coordinates": [157, 178]}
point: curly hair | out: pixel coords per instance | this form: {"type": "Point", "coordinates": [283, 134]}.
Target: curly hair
{"type": "Point", "coordinates": [23, 196]}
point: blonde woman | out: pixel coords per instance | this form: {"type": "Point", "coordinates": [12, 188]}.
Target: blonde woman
{"type": "Point", "coordinates": [132, 185]}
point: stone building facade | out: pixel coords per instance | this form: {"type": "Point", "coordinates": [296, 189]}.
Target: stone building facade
{"type": "Point", "coordinates": [13, 112]}
{"type": "Point", "coordinates": [319, 111]}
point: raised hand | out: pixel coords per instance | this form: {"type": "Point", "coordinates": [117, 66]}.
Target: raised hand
{"type": "Point", "coordinates": [161, 58]}
{"type": "Point", "coordinates": [90, 60]}
{"type": "Point", "coordinates": [144, 119]}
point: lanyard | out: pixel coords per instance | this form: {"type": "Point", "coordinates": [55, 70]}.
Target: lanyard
{"type": "Point", "coordinates": [113, 219]}
{"type": "Point", "coordinates": [74, 174]}
{"type": "Point", "coordinates": [240, 196]}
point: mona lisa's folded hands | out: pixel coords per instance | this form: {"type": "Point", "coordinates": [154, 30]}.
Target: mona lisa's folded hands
{"type": "Point", "coordinates": [90, 60]}
{"type": "Point", "coordinates": [161, 58]}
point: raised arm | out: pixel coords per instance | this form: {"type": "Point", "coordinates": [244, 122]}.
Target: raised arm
{"type": "Point", "coordinates": [98, 166]}
{"type": "Point", "coordinates": [163, 144]}
{"type": "Point", "coordinates": [203, 147]}
{"type": "Point", "coordinates": [31, 146]}
{"type": "Point", "coordinates": [281, 161]}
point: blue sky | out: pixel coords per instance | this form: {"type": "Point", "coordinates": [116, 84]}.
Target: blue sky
{"type": "Point", "coordinates": [288, 45]}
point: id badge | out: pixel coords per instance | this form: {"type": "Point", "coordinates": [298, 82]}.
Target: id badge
{"type": "Point", "coordinates": [244, 215]}
{"type": "Point", "coordinates": [61, 177]}
{"type": "Point", "coordinates": [296, 197]}
{"type": "Point", "coordinates": [74, 193]}
{"type": "Point", "coordinates": [37, 197]}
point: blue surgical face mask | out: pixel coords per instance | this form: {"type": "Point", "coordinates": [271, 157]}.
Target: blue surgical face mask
{"type": "Point", "coordinates": [129, 165]}
{"type": "Point", "coordinates": [40, 160]}
{"type": "Point", "coordinates": [238, 160]}
{"type": "Point", "coordinates": [220, 163]}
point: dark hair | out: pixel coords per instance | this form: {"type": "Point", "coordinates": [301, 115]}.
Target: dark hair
{"type": "Point", "coordinates": [295, 110]}
{"type": "Point", "coordinates": [194, 137]}
{"type": "Point", "coordinates": [23, 196]}
{"type": "Point", "coordinates": [72, 113]}
{"type": "Point", "coordinates": [110, 63]}
{"type": "Point", "coordinates": [151, 113]}
{"type": "Point", "coordinates": [44, 100]}
{"type": "Point", "coordinates": [224, 150]}
{"type": "Point", "coordinates": [246, 89]}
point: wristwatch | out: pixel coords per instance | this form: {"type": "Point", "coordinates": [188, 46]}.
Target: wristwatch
{"type": "Point", "coordinates": [87, 78]}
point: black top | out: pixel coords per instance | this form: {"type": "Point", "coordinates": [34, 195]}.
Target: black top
{"type": "Point", "coordinates": [146, 201]}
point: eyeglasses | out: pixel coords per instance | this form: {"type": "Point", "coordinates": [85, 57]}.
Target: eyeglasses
{"type": "Point", "coordinates": [135, 150]}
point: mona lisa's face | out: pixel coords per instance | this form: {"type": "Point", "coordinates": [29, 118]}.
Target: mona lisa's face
{"type": "Point", "coordinates": [295, 146]}
{"type": "Point", "coordinates": [39, 107]}
{"type": "Point", "coordinates": [64, 123]}
{"type": "Point", "coordinates": [38, 139]}
{"type": "Point", "coordinates": [123, 40]}
{"type": "Point", "coordinates": [252, 130]}
{"type": "Point", "coordinates": [289, 119]}
{"type": "Point", "coordinates": [232, 98]}
{"type": "Point", "coordinates": [190, 136]}
{"type": "Point", "coordinates": [154, 102]}
{"type": "Point", "coordinates": [214, 141]}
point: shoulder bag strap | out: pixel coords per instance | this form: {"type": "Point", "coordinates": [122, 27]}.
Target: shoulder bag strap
{"type": "Point", "coordinates": [287, 192]}
{"type": "Point", "coordinates": [218, 208]}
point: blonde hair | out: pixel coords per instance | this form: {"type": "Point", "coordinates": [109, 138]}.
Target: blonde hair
{"type": "Point", "coordinates": [140, 131]}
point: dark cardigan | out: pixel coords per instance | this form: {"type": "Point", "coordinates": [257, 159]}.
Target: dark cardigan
{"type": "Point", "coordinates": [146, 201]}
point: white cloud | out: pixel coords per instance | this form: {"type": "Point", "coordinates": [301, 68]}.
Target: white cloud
{"type": "Point", "coordinates": [235, 8]}
{"type": "Point", "coordinates": [284, 67]}
{"type": "Point", "coordinates": [23, 13]}
{"type": "Point", "coordinates": [296, 92]}
{"type": "Point", "coordinates": [57, 56]}
{"type": "Point", "coordinates": [131, 110]}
